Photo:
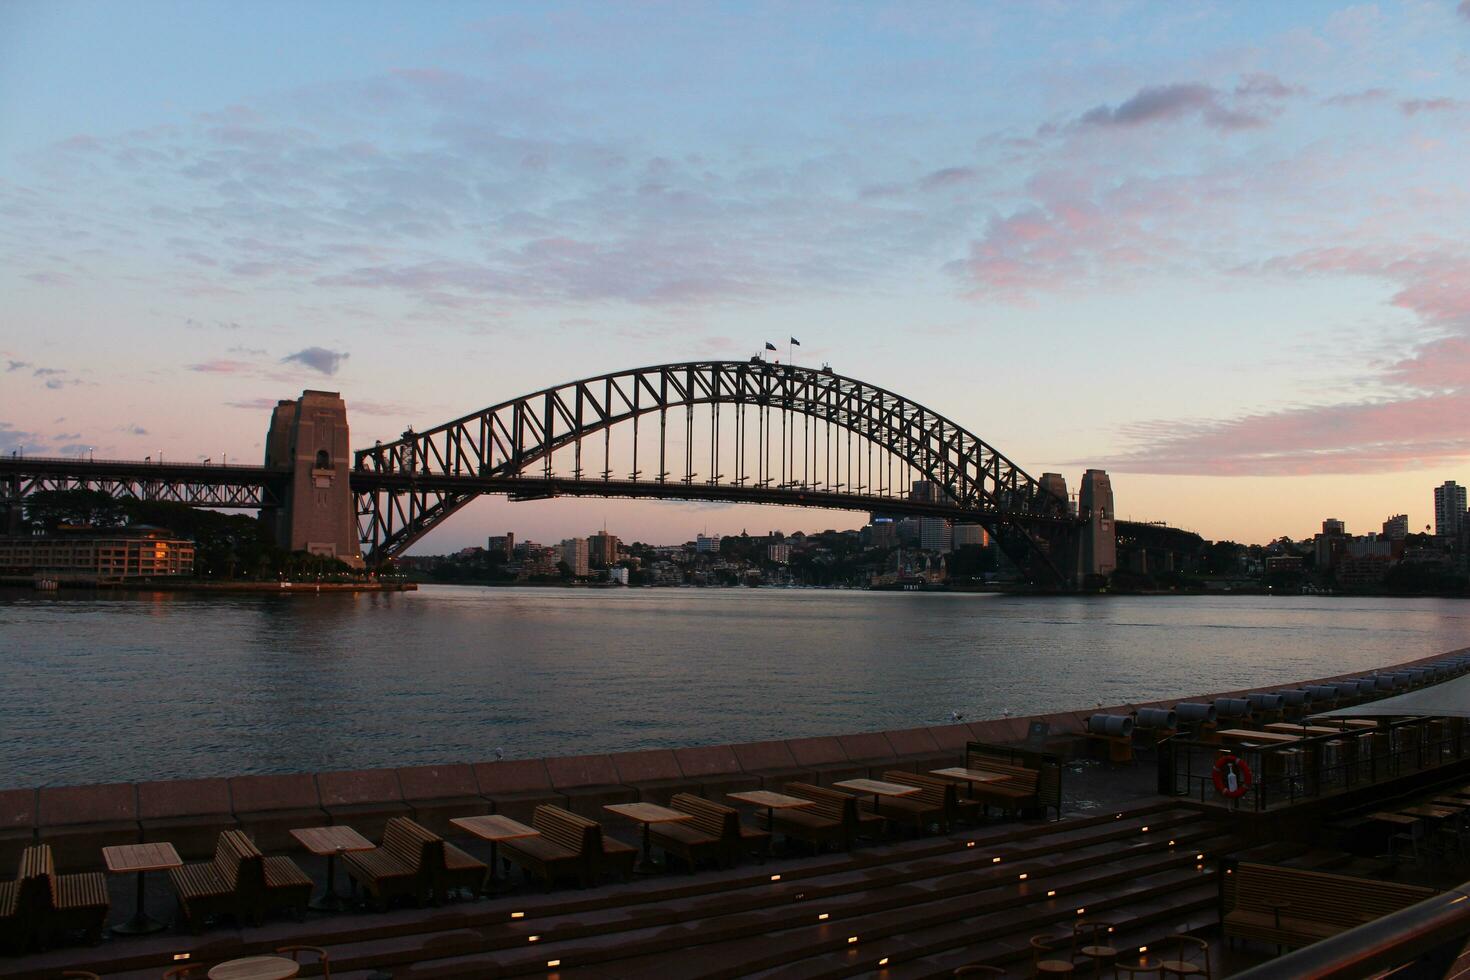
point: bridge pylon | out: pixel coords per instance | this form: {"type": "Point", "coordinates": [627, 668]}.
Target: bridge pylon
{"type": "Point", "coordinates": [308, 446]}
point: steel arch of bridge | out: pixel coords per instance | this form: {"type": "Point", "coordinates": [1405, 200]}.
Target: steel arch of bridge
{"type": "Point", "coordinates": [405, 488]}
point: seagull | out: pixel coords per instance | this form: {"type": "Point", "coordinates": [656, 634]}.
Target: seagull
{"type": "Point", "coordinates": [956, 716]}
{"type": "Point", "coordinates": [499, 754]}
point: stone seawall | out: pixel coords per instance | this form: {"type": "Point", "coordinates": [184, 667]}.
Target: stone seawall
{"type": "Point", "coordinates": [79, 820]}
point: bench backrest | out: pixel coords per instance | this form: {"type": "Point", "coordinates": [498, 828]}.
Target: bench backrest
{"type": "Point", "coordinates": [709, 817]}
{"type": "Point", "coordinates": [413, 844]}
{"type": "Point", "coordinates": [239, 862]}
{"type": "Point", "coordinates": [1045, 782]}
{"type": "Point", "coordinates": [1340, 900]}
{"type": "Point", "coordinates": [37, 878]}
{"type": "Point", "coordinates": [830, 803]}
{"type": "Point", "coordinates": [933, 791]}
{"type": "Point", "coordinates": [569, 830]}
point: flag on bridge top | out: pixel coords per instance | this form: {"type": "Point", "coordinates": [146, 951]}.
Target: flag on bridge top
{"type": "Point", "coordinates": [770, 346]}
{"type": "Point", "coordinates": [795, 342]}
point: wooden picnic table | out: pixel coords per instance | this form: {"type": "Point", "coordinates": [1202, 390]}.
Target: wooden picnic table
{"type": "Point", "coordinates": [1403, 820]}
{"type": "Point", "coordinates": [329, 842]}
{"type": "Point", "coordinates": [647, 814]}
{"type": "Point", "coordinates": [1430, 811]}
{"type": "Point", "coordinates": [140, 859]}
{"type": "Point", "coordinates": [256, 968]}
{"type": "Point", "coordinates": [1251, 735]}
{"type": "Point", "coordinates": [495, 827]}
{"type": "Point", "coordinates": [771, 801]}
{"type": "Point", "coordinates": [878, 788]}
{"type": "Point", "coordinates": [1287, 728]}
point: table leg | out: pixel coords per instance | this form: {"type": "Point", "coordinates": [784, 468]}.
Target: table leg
{"type": "Point", "coordinates": [494, 881]}
{"type": "Point", "coordinates": [330, 901]}
{"type": "Point", "coordinates": [645, 863]}
{"type": "Point", "coordinates": [141, 923]}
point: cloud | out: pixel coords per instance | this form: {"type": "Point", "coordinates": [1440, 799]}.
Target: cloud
{"type": "Point", "coordinates": [17, 365]}
{"type": "Point", "coordinates": [1167, 103]}
{"type": "Point", "coordinates": [1362, 97]}
{"type": "Point", "coordinates": [220, 366]}
{"type": "Point", "coordinates": [255, 404]}
{"type": "Point", "coordinates": [318, 359]}
{"type": "Point", "coordinates": [1412, 107]}
{"type": "Point", "coordinates": [948, 177]}
{"type": "Point", "coordinates": [1464, 9]}
{"type": "Point", "coordinates": [1401, 434]}
{"type": "Point", "coordinates": [42, 372]}
{"type": "Point", "coordinates": [133, 430]}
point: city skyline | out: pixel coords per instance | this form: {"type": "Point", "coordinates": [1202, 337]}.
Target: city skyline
{"type": "Point", "coordinates": [1215, 250]}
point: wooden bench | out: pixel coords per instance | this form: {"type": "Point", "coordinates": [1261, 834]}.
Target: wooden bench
{"type": "Point", "coordinates": [230, 884]}
{"type": "Point", "coordinates": [570, 846]}
{"type": "Point", "coordinates": [408, 864]}
{"type": "Point", "coordinates": [1023, 788]}
{"type": "Point", "coordinates": [49, 905]}
{"type": "Point", "coordinates": [461, 870]}
{"type": "Point", "coordinates": [285, 886]}
{"type": "Point", "coordinates": [962, 806]}
{"type": "Point", "coordinates": [935, 803]}
{"type": "Point", "coordinates": [1293, 907]}
{"type": "Point", "coordinates": [715, 832]}
{"type": "Point", "coordinates": [14, 936]}
{"type": "Point", "coordinates": [834, 819]}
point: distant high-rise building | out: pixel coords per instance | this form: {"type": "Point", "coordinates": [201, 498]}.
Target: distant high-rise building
{"type": "Point", "coordinates": [969, 534]}
{"type": "Point", "coordinates": [574, 553]}
{"type": "Point", "coordinates": [927, 492]}
{"type": "Point", "coordinates": [1449, 508]}
{"type": "Point", "coordinates": [505, 544]}
{"type": "Point", "coordinates": [705, 544]}
{"type": "Point", "coordinates": [1396, 528]}
{"type": "Point", "coordinates": [779, 553]}
{"type": "Point", "coordinates": [602, 549]}
{"type": "Point", "coordinates": [882, 533]}
{"type": "Point", "coordinates": [1331, 544]}
{"type": "Point", "coordinates": [1333, 526]}
{"type": "Point", "coordinates": [935, 534]}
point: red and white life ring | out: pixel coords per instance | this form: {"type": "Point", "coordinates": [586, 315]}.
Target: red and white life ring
{"type": "Point", "coordinates": [1232, 777]}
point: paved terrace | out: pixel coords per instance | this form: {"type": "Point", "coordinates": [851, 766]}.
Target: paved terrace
{"type": "Point", "coordinates": [926, 904]}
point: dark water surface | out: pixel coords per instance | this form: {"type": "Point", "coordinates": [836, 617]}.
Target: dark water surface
{"type": "Point", "coordinates": [132, 687]}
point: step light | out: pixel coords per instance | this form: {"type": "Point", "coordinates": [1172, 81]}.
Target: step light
{"type": "Point", "coordinates": [883, 961]}
{"type": "Point", "coordinates": [1081, 911]}
{"type": "Point", "coordinates": [995, 860]}
{"type": "Point", "coordinates": [181, 956]}
{"type": "Point", "coordinates": [1052, 893]}
{"type": "Point", "coordinates": [1022, 877]}
{"type": "Point", "coordinates": [518, 915]}
{"type": "Point", "coordinates": [822, 917]}
{"type": "Point", "coordinates": [533, 939]}
{"type": "Point", "coordinates": [851, 940]}
{"type": "Point", "coordinates": [553, 964]}
{"type": "Point", "coordinates": [775, 877]}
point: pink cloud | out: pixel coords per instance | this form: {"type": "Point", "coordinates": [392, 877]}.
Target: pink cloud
{"type": "Point", "coordinates": [1407, 433]}
{"type": "Point", "coordinates": [1412, 107]}
{"type": "Point", "coordinates": [220, 366]}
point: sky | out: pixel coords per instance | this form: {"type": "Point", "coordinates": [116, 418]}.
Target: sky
{"type": "Point", "coordinates": [1221, 250]}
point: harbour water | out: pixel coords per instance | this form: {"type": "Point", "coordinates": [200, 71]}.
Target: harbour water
{"type": "Point", "coordinates": [112, 687]}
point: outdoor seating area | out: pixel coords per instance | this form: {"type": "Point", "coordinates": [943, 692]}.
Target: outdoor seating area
{"type": "Point", "coordinates": [923, 906]}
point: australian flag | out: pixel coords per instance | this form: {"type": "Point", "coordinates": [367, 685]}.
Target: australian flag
{"type": "Point", "coordinates": [770, 346]}
{"type": "Point", "coordinates": [795, 342]}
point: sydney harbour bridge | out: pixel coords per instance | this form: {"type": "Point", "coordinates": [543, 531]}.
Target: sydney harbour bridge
{"type": "Point", "coordinates": [729, 431]}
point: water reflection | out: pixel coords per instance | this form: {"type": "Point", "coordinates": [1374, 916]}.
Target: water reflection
{"type": "Point", "coordinates": [158, 685]}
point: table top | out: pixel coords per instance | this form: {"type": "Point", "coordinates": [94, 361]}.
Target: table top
{"type": "Point", "coordinates": [256, 968]}
{"type": "Point", "coordinates": [495, 827]}
{"type": "Point", "coordinates": [1434, 812]}
{"type": "Point", "coordinates": [1139, 964]}
{"type": "Point", "coordinates": [122, 858]}
{"type": "Point", "coordinates": [1247, 734]}
{"type": "Point", "coordinates": [1287, 728]}
{"type": "Point", "coordinates": [877, 787]}
{"type": "Point", "coordinates": [647, 812]}
{"type": "Point", "coordinates": [338, 839]}
{"type": "Point", "coordinates": [1357, 723]}
{"type": "Point", "coordinates": [766, 798]}
{"type": "Point", "coordinates": [1397, 818]}
{"type": "Point", "coordinates": [968, 775]}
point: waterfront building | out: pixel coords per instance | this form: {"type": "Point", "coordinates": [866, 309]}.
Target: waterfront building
{"type": "Point", "coordinates": [969, 534]}
{"type": "Point", "coordinates": [1449, 509]}
{"type": "Point", "coordinates": [1396, 528]}
{"type": "Point", "coordinates": [617, 576]}
{"type": "Point", "coordinates": [935, 534]}
{"type": "Point", "coordinates": [779, 553]}
{"type": "Point", "coordinates": [574, 553]}
{"type": "Point", "coordinates": [1331, 544]}
{"type": "Point", "coordinates": [142, 552]}
{"type": "Point", "coordinates": [503, 543]}
{"type": "Point", "coordinates": [602, 549]}
{"type": "Point", "coordinates": [704, 544]}
{"type": "Point", "coordinates": [882, 533]}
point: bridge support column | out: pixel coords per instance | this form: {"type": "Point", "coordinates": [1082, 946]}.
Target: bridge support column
{"type": "Point", "coordinates": [308, 443]}
{"type": "Point", "coordinates": [1099, 535]}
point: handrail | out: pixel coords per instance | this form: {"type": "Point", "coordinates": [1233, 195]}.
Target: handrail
{"type": "Point", "coordinates": [1436, 927]}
